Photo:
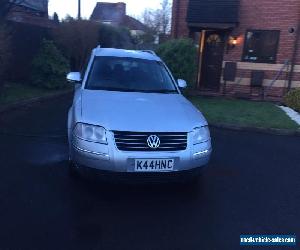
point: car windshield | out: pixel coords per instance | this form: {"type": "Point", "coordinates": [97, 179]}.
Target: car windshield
{"type": "Point", "coordinates": [129, 75]}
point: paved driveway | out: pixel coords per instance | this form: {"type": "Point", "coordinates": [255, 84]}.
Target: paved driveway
{"type": "Point", "coordinates": [252, 186]}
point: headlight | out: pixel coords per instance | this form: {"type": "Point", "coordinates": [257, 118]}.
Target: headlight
{"type": "Point", "coordinates": [90, 133]}
{"type": "Point", "coordinates": [201, 135]}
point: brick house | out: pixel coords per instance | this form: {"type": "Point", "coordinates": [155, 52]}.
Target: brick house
{"type": "Point", "coordinates": [31, 12]}
{"type": "Point", "coordinates": [115, 14]}
{"type": "Point", "coordinates": [247, 48]}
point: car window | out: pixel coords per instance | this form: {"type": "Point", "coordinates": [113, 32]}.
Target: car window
{"type": "Point", "coordinates": [129, 74]}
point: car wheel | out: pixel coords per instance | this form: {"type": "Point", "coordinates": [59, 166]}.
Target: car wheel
{"type": "Point", "coordinates": [194, 181]}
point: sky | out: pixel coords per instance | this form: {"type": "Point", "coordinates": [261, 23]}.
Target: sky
{"type": "Point", "coordinates": [65, 7]}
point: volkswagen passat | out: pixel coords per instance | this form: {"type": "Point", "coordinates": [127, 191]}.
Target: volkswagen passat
{"type": "Point", "coordinates": [128, 115]}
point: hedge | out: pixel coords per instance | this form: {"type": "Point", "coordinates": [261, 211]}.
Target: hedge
{"type": "Point", "coordinates": [49, 67]}
{"type": "Point", "coordinates": [292, 99]}
{"type": "Point", "coordinates": [180, 55]}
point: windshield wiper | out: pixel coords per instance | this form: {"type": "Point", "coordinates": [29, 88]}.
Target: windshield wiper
{"type": "Point", "coordinates": [165, 91]}
{"type": "Point", "coordinates": [111, 89]}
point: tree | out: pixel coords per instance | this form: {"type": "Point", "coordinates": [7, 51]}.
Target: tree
{"type": "Point", "coordinates": [158, 21]}
{"type": "Point", "coordinates": [149, 19]}
{"type": "Point", "coordinates": [165, 17]}
{"type": "Point", "coordinates": [55, 18]}
{"type": "Point", "coordinates": [76, 38]}
{"type": "Point", "coordinates": [114, 37]}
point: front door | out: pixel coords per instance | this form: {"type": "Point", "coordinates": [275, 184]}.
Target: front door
{"type": "Point", "coordinates": [212, 60]}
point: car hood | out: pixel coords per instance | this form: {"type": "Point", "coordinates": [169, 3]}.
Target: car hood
{"type": "Point", "coordinates": [142, 112]}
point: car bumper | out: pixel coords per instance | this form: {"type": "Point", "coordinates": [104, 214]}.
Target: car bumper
{"type": "Point", "coordinates": [139, 177]}
{"type": "Point", "coordinates": [109, 158]}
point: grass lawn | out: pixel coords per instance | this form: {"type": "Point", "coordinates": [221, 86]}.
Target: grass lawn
{"type": "Point", "coordinates": [243, 113]}
{"type": "Point", "coordinates": [13, 92]}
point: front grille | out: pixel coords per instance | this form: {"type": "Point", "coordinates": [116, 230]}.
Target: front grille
{"type": "Point", "coordinates": [137, 141]}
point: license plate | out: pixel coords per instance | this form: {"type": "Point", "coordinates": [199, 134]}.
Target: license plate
{"type": "Point", "coordinates": [154, 165]}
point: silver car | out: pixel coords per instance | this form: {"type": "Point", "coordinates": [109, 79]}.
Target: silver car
{"type": "Point", "coordinates": [129, 116]}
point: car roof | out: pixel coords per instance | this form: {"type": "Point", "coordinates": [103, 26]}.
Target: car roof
{"type": "Point", "coordinates": [140, 54]}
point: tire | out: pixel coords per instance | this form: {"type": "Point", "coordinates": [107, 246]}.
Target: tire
{"type": "Point", "coordinates": [73, 169]}
{"type": "Point", "coordinates": [194, 181]}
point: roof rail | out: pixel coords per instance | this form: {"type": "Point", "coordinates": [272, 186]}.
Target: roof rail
{"type": "Point", "coordinates": [149, 51]}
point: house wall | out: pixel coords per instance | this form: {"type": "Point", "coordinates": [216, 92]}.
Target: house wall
{"type": "Point", "coordinates": [30, 25]}
{"type": "Point", "coordinates": [37, 5]}
{"type": "Point", "coordinates": [179, 24]}
{"type": "Point", "coordinates": [269, 15]}
{"type": "Point", "coordinates": [256, 14]}
{"type": "Point", "coordinates": [20, 14]}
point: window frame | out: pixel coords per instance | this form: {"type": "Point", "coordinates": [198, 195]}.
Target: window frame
{"type": "Point", "coordinates": [261, 60]}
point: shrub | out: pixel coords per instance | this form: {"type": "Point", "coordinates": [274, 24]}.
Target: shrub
{"type": "Point", "coordinates": [180, 56]}
{"type": "Point", "coordinates": [292, 99]}
{"type": "Point", "coordinates": [114, 37]}
{"type": "Point", "coordinates": [49, 67]}
{"type": "Point", "coordinates": [26, 41]}
{"type": "Point", "coordinates": [5, 52]}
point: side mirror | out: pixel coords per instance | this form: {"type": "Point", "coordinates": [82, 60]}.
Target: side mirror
{"type": "Point", "coordinates": [74, 77]}
{"type": "Point", "coordinates": [182, 83]}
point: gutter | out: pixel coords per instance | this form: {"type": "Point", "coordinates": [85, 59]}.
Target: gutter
{"type": "Point", "coordinates": [294, 57]}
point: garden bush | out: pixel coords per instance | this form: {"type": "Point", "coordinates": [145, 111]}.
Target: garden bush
{"type": "Point", "coordinates": [49, 67]}
{"type": "Point", "coordinates": [181, 57]}
{"type": "Point", "coordinates": [292, 99]}
{"type": "Point", "coordinates": [77, 38]}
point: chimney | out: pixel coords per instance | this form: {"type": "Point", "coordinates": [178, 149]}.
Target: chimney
{"type": "Point", "coordinates": [121, 7]}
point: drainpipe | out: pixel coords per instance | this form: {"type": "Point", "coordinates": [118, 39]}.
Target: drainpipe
{"type": "Point", "coordinates": [294, 57]}
{"type": "Point", "coordinates": [200, 58]}
{"type": "Point", "coordinates": [79, 9]}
